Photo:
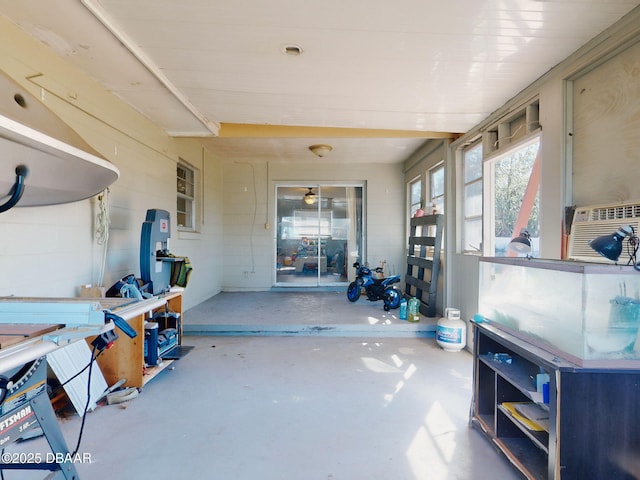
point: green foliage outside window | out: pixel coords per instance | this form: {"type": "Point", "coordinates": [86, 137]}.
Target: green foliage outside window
{"type": "Point", "coordinates": [511, 177]}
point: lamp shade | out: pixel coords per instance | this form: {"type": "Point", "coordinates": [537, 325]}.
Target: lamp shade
{"type": "Point", "coordinates": [521, 243]}
{"type": "Point", "coordinates": [310, 197]}
{"type": "Point", "coordinates": [610, 246]}
{"type": "Point", "coordinates": [320, 149]}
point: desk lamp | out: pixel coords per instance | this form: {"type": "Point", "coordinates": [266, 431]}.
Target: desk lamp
{"type": "Point", "coordinates": [610, 246]}
{"type": "Point", "coordinates": [521, 243]}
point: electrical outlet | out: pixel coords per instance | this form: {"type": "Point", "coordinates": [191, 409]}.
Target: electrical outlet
{"type": "Point", "coordinates": [246, 274]}
{"type": "Point", "coordinates": [267, 226]}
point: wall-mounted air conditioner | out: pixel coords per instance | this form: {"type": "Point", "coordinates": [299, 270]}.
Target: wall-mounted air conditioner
{"type": "Point", "coordinates": [591, 222]}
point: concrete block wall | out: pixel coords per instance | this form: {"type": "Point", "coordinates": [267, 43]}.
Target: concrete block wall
{"type": "Point", "coordinates": [249, 247]}
{"type": "Point", "coordinates": [51, 251]}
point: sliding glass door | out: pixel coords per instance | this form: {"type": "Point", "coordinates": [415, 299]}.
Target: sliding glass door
{"type": "Point", "coordinates": [319, 233]}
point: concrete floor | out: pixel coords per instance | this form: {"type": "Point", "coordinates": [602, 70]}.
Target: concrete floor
{"type": "Point", "coordinates": [297, 406]}
{"type": "Point", "coordinates": [299, 312]}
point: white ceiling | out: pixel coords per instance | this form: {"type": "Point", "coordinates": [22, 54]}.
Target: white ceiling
{"type": "Point", "coordinates": [421, 67]}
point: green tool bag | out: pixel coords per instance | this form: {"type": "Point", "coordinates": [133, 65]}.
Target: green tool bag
{"type": "Point", "coordinates": [181, 272]}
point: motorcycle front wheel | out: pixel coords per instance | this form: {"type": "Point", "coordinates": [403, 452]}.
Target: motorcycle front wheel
{"type": "Point", "coordinates": [353, 292]}
{"type": "Point", "coordinates": [392, 297]}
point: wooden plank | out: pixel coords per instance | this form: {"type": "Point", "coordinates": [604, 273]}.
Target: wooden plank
{"type": "Point", "coordinates": [11, 334]}
{"type": "Point", "coordinates": [26, 330]}
{"type": "Point", "coordinates": [151, 372]}
{"type": "Point", "coordinates": [605, 126]}
{"type": "Point", "coordinates": [420, 262]}
{"type": "Point", "coordinates": [418, 283]}
{"type": "Point", "coordinates": [426, 220]}
{"type": "Point", "coordinates": [125, 359]}
{"type": "Point", "coordinates": [423, 241]}
{"type": "Point", "coordinates": [7, 340]}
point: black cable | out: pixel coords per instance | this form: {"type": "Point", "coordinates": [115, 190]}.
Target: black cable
{"type": "Point", "coordinates": [632, 250]}
{"type": "Point", "coordinates": [55, 390]}
{"type": "Point", "coordinates": [86, 407]}
{"type": "Point", "coordinates": [17, 189]}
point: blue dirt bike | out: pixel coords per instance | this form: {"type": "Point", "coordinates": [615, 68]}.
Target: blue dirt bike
{"type": "Point", "coordinates": [374, 288]}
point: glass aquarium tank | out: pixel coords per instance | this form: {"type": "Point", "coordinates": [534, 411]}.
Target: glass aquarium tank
{"type": "Point", "coordinates": [587, 312]}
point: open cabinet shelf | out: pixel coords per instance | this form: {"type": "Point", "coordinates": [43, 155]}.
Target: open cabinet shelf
{"type": "Point", "coordinates": [591, 431]}
{"type": "Point", "coordinates": [125, 360]}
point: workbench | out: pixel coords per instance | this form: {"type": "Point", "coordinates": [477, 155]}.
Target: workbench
{"type": "Point", "coordinates": [126, 358]}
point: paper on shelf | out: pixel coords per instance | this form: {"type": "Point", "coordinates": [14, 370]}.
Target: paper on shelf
{"type": "Point", "coordinates": [533, 425]}
{"type": "Point", "coordinates": [537, 397]}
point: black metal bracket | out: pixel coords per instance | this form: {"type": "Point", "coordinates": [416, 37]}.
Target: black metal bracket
{"type": "Point", "coordinates": [17, 190]}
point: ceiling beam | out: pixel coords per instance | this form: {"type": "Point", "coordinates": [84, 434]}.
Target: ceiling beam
{"type": "Point", "coordinates": [245, 130]}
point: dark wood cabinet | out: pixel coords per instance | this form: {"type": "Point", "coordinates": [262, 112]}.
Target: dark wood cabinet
{"type": "Point", "coordinates": [593, 426]}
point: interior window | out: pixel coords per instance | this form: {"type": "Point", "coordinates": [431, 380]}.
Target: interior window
{"type": "Point", "coordinates": [472, 199]}
{"type": "Point", "coordinates": [185, 207]}
{"type": "Point", "coordinates": [436, 176]}
{"type": "Point", "coordinates": [514, 183]}
{"type": "Point", "coordinates": [415, 193]}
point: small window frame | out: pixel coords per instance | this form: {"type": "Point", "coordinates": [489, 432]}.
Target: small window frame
{"type": "Point", "coordinates": [437, 188]}
{"type": "Point", "coordinates": [472, 179]}
{"type": "Point", "coordinates": [186, 197]}
{"type": "Point", "coordinates": [415, 195]}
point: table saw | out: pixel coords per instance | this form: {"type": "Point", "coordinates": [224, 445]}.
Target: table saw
{"type": "Point", "coordinates": [30, 328]}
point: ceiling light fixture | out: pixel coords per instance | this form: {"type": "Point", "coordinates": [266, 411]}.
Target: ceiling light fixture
{"type": "Point", "coordinates": [321, 149]}
{"type": "Point", "coordinates": [310, 197]}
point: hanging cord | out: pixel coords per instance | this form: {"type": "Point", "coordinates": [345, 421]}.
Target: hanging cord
{"type": "Point", "coordinates": [86, 407]}
{"type": "Point", "coordinates": [102, 230]}
{"type": "Point", "coordinates": [632, 249]}
{"type": "Point", "coordinates": [59, 387]}
{"type": "Point", "coordinates": [15, 194]}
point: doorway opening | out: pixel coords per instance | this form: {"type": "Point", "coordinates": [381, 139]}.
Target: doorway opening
{"type": "Point", "coordinates": [319, 233]}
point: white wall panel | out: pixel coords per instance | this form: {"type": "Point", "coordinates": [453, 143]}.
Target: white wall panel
{"type": "Point", "coordinates": [384, 215]}
{"type": "Point", "coordinates": [51, 251]}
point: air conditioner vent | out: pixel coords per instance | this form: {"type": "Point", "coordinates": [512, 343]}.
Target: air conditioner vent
{"type": "Point", "coordinates": [594, 221]}
{"type": "Point", "coordinates": [615, 212]}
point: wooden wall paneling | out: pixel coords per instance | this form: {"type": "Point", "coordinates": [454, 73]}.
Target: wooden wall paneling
{"type": "Point", "coordinates": [606, 131]}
